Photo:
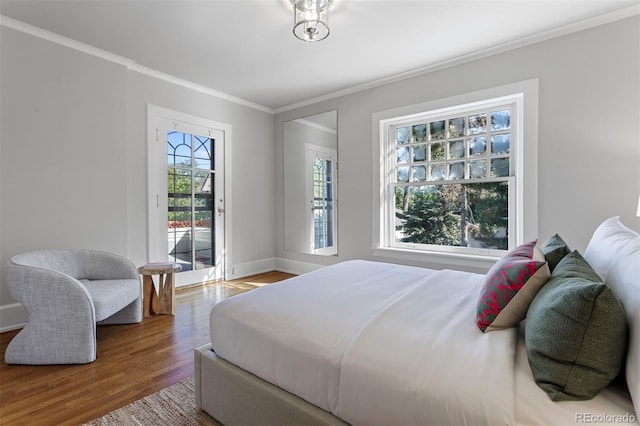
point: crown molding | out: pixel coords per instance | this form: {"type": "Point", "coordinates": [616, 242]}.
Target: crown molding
{"type": "Point", "coordinates": [63, 41]}
{"type": "Point", "coordinates": [133, 66]}
{"type": "Point", "coordinates": [505, 47]}
{"type": "Point", "coordinates": [121, 60]}
{"type": "Point", "coordinates": [197, 87]}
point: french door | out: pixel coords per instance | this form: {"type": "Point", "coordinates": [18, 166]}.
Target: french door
{"type": "Point", "coordinates": [187, 216]}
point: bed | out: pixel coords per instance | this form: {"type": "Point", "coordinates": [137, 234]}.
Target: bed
{"type": "Point", "coordinates": [370, 343]}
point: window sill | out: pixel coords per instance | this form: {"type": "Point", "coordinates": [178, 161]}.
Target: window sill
{"type": "Point", "coordinates": [466, 262]}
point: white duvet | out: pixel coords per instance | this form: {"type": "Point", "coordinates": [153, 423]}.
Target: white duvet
{"type": "Point", "coordinates": [374, 343]}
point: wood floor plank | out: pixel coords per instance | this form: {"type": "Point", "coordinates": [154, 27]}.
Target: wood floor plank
{"type": "Point", "coordinates": [133, 361]}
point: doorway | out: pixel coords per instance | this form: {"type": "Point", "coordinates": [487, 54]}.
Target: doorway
{"type": "Point", "coordinates": [187, 194]}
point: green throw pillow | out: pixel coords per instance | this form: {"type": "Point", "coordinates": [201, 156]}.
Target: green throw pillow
{"type": "Point", "coordinates": [554, 250]}
{"type": "Point", "coordinates": [575, 333]}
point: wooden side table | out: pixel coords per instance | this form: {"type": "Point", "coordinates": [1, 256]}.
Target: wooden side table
{"type": "Point", "coordinates": [160, 302]}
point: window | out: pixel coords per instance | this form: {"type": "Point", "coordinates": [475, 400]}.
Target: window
{"type": "Point", "coordinates": [449, 178]}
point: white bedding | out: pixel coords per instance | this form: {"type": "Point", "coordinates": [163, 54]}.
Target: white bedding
{"type": "Point", "coordinates": [377, 343]}
{"type": "Point", "coordinates": [423, 360]}
{"type": "Point", "coordinates": [374, 343]}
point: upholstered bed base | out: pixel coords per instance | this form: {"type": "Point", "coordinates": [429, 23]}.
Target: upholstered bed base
{"type": "Point", "coordinates": [235, 397]}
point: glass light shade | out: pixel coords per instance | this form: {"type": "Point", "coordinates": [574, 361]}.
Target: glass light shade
{"type": "Point", "coordinates": [311, 19]}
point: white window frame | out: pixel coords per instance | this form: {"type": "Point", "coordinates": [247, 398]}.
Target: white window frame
{"type": "Point", "coordinates": [523, 186]}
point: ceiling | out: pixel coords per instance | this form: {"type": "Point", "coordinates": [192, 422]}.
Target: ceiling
{"type": "Point", "coordinates": [246, 49]}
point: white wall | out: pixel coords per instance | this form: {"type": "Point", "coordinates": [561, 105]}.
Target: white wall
{"type": "Point", "coordinates": [589, 134]}
{"type": "Point", "coordinates": [73, 158]}
{"type": "Point", "coordinates": [63, 180]}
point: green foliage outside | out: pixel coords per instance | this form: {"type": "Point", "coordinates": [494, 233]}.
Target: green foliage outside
{"type": "Point", "coordinates": [454, 214]}
{"type": "Point", "coordinates": [179, 185]}
{"type": "Point", "coordinates": [489, 204]}
{"type": "Point", "coordinates": [432, 217]}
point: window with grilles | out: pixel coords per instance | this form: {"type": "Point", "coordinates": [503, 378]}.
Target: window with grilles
{"type": "Point", "coordinates": [450, 178]}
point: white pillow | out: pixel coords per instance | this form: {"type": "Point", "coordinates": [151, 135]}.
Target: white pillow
{"type": "Point", "coordinates": [607, 240]}
{"type": "Point", "coordinates": [623, 278]}
{"type": "Point", "coordinates": [614, 253]}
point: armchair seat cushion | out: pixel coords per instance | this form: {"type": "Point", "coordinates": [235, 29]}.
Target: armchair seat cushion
{"type": "Point", "coordinates": [111, 296]}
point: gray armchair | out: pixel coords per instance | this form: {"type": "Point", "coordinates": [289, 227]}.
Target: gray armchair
{"type": "Point", "coordinates": [66, 293]}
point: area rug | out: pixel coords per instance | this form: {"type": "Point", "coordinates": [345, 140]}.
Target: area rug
{"type": "Point", "coordinates": [174, 405]}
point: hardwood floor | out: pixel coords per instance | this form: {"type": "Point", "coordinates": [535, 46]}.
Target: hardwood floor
{"type": "Point", "coordinates": [133, 361]}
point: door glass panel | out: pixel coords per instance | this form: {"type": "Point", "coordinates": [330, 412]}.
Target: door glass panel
{"type": "Point", "coordinates": [202, 153]}
{"type": "Point", "coordinates": [203, 214]}
{"type": "Point", "coordinates": [190, 218]}
{"type": "Point", "coordinates": [178, 149]}
{"type": "Point", "coordinates": [179, 215]}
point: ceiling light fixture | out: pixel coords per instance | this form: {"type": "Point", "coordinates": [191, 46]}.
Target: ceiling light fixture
{"type": "Point", "coordinates": [311, 19]}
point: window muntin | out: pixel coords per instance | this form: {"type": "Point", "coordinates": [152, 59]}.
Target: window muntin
{"type": "Point", "coordinates": [451, 179]}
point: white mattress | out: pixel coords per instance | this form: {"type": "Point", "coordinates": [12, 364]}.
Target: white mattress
{"type": "Point", "coordinates": [377, 343]}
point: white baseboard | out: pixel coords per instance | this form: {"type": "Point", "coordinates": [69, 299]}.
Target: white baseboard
{"type": "Point", "coordinates": [12, 317]}
{"type": "Point", "coordinates": [295, 266]}
{"type": "Point", "coordinates": [241, 270]}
